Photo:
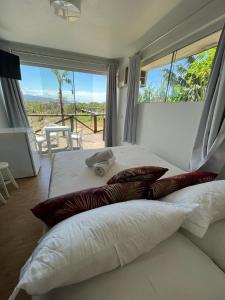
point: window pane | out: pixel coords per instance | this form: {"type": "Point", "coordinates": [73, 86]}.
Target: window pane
{"type": "Point", "coordinates": [90, 95]}
{"type": "Point", "coordinates": [190, 76]}
{"type": "Point", "coordinates": [157, 81]}
{"type": "Point", "coordinates": [54, 91]}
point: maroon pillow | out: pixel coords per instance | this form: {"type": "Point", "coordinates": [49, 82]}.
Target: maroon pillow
{"type": "Point", "coordinates": [149, 173]}
{"type": "Point", "coordinates": [56, 209]}
{"type": "Point", "coordinates": [166, 186]}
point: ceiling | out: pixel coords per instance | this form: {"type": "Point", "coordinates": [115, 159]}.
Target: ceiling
{"type": "Point", "coordinates": [107, 28]}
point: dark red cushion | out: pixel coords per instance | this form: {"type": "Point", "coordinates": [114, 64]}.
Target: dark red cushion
{"type": "Point", "coordinates": [166, 186]}
{"type": "Point", "coordinates": [148, 173]}
{"type": "Point", "coordinates": [56, 209]}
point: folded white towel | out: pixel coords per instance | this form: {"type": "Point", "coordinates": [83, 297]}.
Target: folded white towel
{"type": "Point", "coordinates": [103, 167]}
{"type": "Point", "coordinates": [99, 157]}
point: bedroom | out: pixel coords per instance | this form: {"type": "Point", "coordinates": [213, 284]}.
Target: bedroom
{"type": "Point", "coordinates": [117, 40]}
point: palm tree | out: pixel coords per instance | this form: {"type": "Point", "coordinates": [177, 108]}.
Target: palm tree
{"type": "Point", "coordinates": [62, 77]}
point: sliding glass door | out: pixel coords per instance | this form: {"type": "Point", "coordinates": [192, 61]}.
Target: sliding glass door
{"type": "Point", "coordinates": [55, 95]}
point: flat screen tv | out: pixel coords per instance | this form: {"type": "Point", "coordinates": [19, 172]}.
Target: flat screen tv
{"type": "Point", "coordinates": [9, 65]}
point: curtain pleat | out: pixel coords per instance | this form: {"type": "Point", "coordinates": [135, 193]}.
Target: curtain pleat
{"type": "Point", "coordinates": [13, 98]}
{"type": "Point", "coordinates": [130, 125]}
{"type": "Point", "coordinates": [111, 107]}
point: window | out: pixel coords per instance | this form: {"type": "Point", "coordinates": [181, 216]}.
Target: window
{"type": "Point", "coordinates": [181, 76]}
{"type": "Point", "coordinates": [51, 92]}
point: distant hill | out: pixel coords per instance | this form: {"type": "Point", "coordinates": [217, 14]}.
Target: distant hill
{"type": "Point", "coordinates": [33, 98]}
{"type": "Point", "coordinates": [43, 99]}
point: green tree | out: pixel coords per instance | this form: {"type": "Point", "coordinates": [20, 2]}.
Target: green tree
{"type": "Point", "coordinates": [199, 72]}
{"type": "Point", "coordinates": [147, 95]}
{"type": "Point", "coordinates": [190, 77]}
{"type": "Point", "coordinates": [62, 77]}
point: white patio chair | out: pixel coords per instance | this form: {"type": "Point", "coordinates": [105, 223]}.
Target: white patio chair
{"type": "Point", "coordinates": [78, 137]}
{"type": "Point", "coordinates": [40, 139]}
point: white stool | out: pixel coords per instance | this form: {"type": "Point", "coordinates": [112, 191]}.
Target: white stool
{"type": "Point", "coordinates": [4, 166]}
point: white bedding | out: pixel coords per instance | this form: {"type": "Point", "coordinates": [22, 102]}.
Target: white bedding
{"type": "Point", "coordinates": [213, 243]}
{"type": "Point", "coordinates": [69, 172]}
{"type": "Point", "coordinates": [176, 269]}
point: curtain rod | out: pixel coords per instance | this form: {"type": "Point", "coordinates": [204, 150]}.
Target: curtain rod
{"type": "Point", "coordinates": [58, 57]}
{"type": "Point", "coordinates": [176, 26]}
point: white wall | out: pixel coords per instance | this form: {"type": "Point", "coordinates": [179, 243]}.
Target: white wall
{"type": "Point", "coordinates": [168, 129]}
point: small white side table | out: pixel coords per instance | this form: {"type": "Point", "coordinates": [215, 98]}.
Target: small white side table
{"type": "Point", "coordinates": [50, 129]}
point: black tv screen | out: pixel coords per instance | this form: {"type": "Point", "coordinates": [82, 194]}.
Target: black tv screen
{"type": "Point", "coordinates": [9, 65]}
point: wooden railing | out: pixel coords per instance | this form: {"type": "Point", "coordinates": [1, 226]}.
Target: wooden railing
{"type": "Point", "coordinates": [72, 118]}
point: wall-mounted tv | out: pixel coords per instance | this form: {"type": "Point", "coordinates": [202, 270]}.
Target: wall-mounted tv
{"type": "Point", "coordinates": [9, 65]}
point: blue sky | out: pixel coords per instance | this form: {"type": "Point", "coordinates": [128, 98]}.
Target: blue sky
{"type": "Point", "coordinates": [154, 79]}
{"type": "Point", "coordinates": [41, 82]}
{"type": "Point", "coordinates": [38, 81]}
{"type": "Point", "coordinates": [155, 75]}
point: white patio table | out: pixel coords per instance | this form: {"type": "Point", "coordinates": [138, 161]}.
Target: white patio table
{"type": "Point", "coordinates": [49, 129]}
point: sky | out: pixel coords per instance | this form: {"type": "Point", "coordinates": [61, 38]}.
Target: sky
{"type": "Point", "coordinates": [154, 79]}
{"type": "Point", "coordinates": [155, 75]}
{"type": "Point", "coordinates": [42, 82]}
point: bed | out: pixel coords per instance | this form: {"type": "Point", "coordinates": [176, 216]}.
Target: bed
{"type": "Point", "coordinates": [175, 269]}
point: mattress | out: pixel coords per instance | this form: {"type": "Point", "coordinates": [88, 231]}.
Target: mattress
{"type": "Point", "coordinates": [69, 172]}
{"type": "Point", "coordinates": [175, 269]}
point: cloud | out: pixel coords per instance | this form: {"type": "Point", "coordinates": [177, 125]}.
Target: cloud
{"type": "Point", "coordinates": [80, 96]}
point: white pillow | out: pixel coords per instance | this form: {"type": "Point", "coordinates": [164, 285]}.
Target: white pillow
{"type": "Point", "coordinates": [98, 241]}
{"type": "Point", "coordinates": [210, 198]}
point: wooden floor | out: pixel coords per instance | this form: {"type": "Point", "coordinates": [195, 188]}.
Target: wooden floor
{"type": "Point", "coordinates": [19, 229]}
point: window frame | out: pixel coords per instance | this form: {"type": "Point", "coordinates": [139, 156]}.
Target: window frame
{"type": "Point", "coordinates": [160, 62]}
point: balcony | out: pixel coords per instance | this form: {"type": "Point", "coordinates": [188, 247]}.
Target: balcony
{"type": "Point", "coordinates": [92, 126]}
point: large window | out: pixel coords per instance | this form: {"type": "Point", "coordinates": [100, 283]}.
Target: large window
{"type": "Point", "coordinates": [49, 92]}
{"type": "Point", "coordinates": [181, 76]}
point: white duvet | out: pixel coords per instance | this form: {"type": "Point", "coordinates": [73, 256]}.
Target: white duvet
{"type": "Point", "coordinates": [98, 241]}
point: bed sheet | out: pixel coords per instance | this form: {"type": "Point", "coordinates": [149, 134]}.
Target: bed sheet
{"type": "Point", "coordinates": [69, 172]}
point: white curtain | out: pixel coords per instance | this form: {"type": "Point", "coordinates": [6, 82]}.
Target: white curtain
{"type": "Point", "coordinates": [209, 148]}
{"type": "Point", "coordinates": [13, 98]}
{"type": "Point", "coordinates": [130, 124]}
{"type": "Point", "coordinates": [111, 107]}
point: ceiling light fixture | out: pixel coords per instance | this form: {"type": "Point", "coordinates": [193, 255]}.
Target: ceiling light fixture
{"type": "Point", "coordinates": [69, 10]}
